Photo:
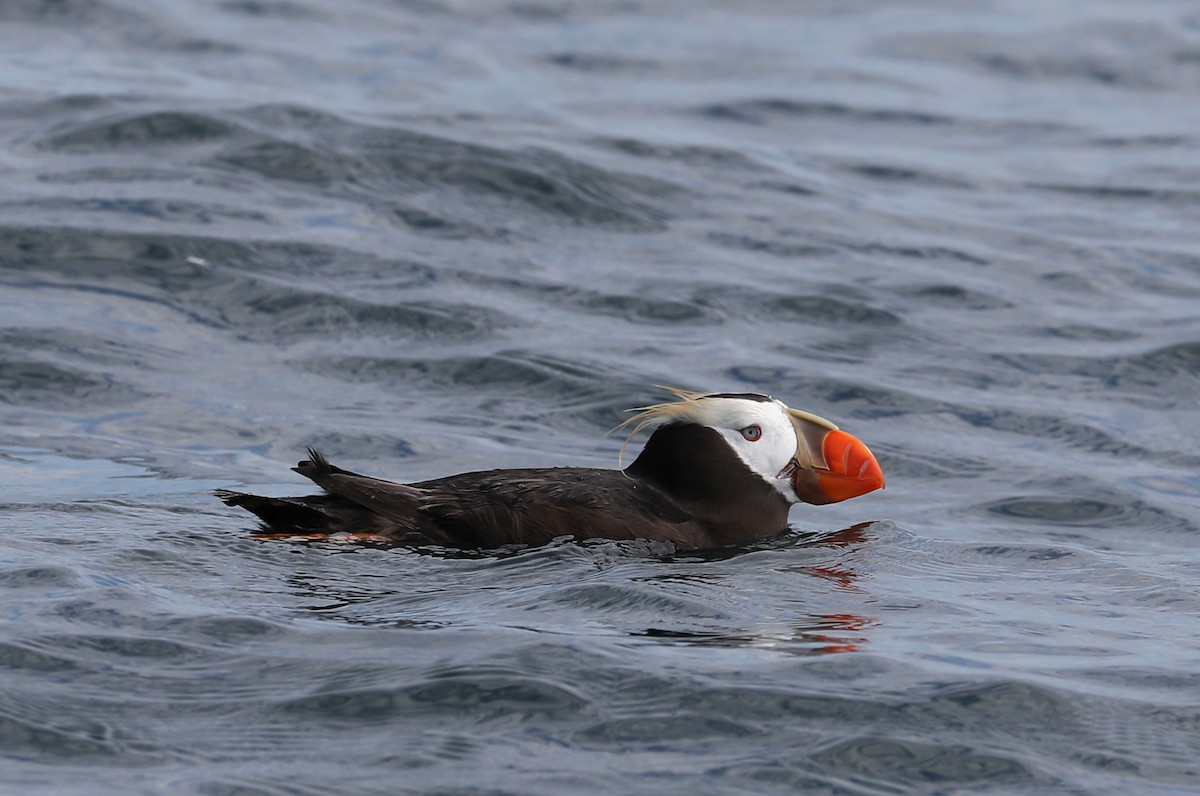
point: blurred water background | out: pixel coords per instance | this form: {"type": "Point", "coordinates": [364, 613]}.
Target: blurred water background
{"type": "Point", "coordinates": [434, 236]}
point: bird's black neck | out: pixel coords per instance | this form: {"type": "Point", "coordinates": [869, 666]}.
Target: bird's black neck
{"type": "Point", "coordinates": [697, 469]}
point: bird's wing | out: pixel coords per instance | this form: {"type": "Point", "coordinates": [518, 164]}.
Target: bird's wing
{"type": "Point", "coordinates": [397, 502]}
{"type": "Point", "coordinates": [503, 507]}
{"type": "Point", "coordinates": [535, 506]}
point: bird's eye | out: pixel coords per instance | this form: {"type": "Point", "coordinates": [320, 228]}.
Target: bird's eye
{"type": "Point", "coordinates": [752, 433]}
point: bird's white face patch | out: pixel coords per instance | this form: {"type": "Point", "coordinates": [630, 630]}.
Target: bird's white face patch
{"type": "Point", "coordinates": [769, 450]}
{"type": "Point", "coordinates": [764, 433]}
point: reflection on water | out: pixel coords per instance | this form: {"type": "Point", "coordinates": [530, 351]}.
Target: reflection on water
{"type": "Point", "coordinates": [814, 635]}
{"type": "Point", "coordinates": [614, 585]}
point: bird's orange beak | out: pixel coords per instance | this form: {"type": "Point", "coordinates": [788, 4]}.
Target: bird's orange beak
{"type": "Point", "coordinates": [849, 469]}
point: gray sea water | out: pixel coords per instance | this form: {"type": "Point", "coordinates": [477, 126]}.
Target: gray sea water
{"type": "Point", "coordinates": [435, 236]}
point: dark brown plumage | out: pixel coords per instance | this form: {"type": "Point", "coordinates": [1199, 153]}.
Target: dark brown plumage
{"type": "Point", "coordinates": [534, 506]}
{"type": "Point", "coordinates": [718, 469]}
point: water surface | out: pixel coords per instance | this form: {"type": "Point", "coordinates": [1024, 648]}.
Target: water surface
{"type": "Point", "coordinates": [430, 237]}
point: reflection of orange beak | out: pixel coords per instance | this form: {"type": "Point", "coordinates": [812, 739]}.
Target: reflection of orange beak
{"type": "Point", "coordinates": [851, 470]}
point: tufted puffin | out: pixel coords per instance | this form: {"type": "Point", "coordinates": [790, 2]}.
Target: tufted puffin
{"type": "Point", "coordinates": [718, 469]}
